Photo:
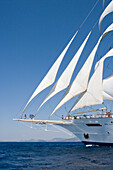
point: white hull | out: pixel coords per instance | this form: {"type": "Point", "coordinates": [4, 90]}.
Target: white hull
{"type": "Point", "coordinates": [92, 130]}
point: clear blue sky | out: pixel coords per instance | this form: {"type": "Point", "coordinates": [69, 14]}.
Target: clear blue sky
{"type": "Point", "coordinates": [32, 35]}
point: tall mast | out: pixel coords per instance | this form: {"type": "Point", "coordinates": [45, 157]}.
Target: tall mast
{"type": "Point", "coordinates": [80, 83]}
{"type": "Point", "coordinates": [51, 75]}
{"type": "Point", "coordinates": [65, 78]}
{"type": "Point", "coordinates": [94, 93]}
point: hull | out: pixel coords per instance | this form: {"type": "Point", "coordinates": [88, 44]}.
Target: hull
{"type": "Point", "coordinates": [97, 131]}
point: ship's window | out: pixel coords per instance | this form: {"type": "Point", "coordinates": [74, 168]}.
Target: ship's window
{"type": "Point", "coordinates": [111, 121]}
{"type": "Point", "coordinates": [93, 124]}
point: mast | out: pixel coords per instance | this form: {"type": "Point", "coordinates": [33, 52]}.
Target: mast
{"type": "Point", "coordinates": [94, 93]}
{"type": "Point", "coordinates": [51, 75]}
{"type": "Point", "coordinates": [65, 78]}
{"type": "Point", "coordinates": [80, 83]}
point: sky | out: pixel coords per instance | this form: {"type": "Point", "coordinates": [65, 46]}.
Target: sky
{"type": "Point", "coordinates": [32, 36]}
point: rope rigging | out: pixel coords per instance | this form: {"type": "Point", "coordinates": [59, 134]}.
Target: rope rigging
{"type": "Point", "coordinates": [80, 28]}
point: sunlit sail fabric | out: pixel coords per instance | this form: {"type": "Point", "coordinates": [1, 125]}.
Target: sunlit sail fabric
{"type": "Point", "coordinates": [107, 10]}
{"type": "Point", "coordinates": [108, 88]}
{"type": "Point", "coordinates": [64, 80]}
{"type": "Point", "coordinates": [94, 93]}
{"type": "Point", "coordinates": [80, 83]}
{"type": "Point", "coordinates": [51, 75]}
{"type": "Point", "coordinates": [107, 96]}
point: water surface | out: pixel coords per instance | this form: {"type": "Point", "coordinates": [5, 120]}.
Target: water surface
{"type": "Point", "coordinates": [35, 155]}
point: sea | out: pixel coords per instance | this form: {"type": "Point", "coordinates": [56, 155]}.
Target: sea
{"type": "Point", "coordinates": [54, 156]}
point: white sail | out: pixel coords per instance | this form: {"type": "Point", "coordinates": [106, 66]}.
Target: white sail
{"type": "Point", "coordinates": [107, 10]}
{"type": "Point", "coordinates": [51, 75]}
{"type": "Point", "coordinates": [79, 85]}
{"type": "Point", "coordinates": [108, 88]}
{"type": "Point", "coordinates": [107, 96]}
{"type": "Point", "coordinates": [64, 80]}
{"type": "Point", "coordinates": [94, 93]}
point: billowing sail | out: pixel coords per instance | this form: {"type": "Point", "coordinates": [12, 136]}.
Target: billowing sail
{"type": "Point", "coordinates": [108, 88]}
{"type": "Point", "coordinates": [107, 10]}
{"type": "Point", "coordinates": [79, 85]}
{"type": "Point", "coordinates": [94, 93]}
{"type": "Point", "coordinates": [107, 96]}
{"type": "Point", "coordinates": [64, 80]}
{"type": "Point", "coordinates": [51, 75]}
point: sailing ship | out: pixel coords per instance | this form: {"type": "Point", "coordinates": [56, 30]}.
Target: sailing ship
{"type": "Point", "coordinates": [94, 126]}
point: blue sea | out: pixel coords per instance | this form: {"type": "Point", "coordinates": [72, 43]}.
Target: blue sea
{"type": "Point", "coordinates": [54, 155]}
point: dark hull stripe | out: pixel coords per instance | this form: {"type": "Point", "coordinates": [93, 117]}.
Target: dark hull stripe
{"type": "Point", "coordinates": [98, 143]}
